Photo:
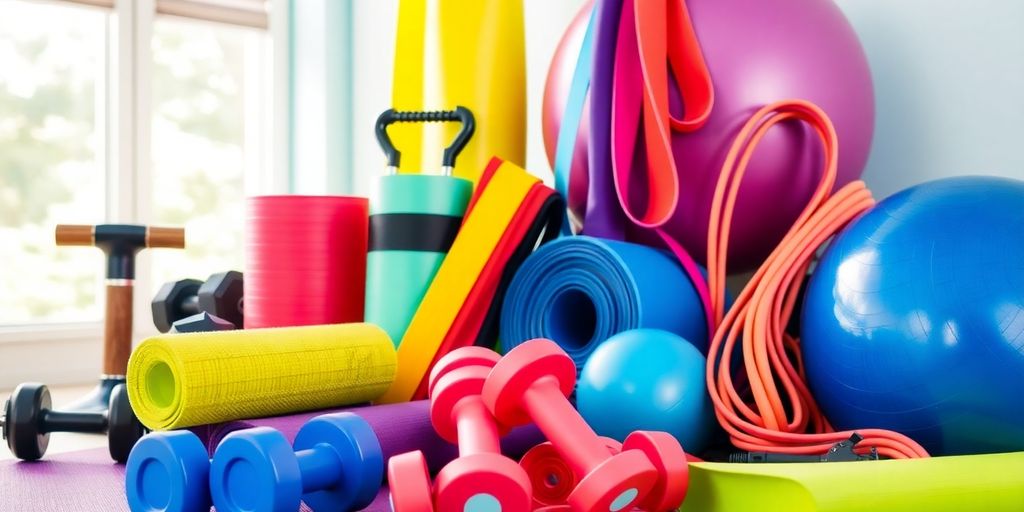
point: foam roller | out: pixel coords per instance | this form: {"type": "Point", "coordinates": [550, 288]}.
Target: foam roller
{"type": "Point", "coordinates": [182, 380]}
{"type": "Point", "coordinates": [413, 223]}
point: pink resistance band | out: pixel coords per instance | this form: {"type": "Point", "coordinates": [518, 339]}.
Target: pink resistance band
{"type": "Point", "coordinates": [655, 36]}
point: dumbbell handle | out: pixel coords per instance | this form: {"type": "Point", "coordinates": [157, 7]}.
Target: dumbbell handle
{"type": "Point", "coordinates": [320, 467]}
{"type": "Point", "coordinates": [190, 305]}
{"type": "Point", "coordinates": [84, 422]}
{"type": "Point", "coordinates": [574, 440]}
{"type": "Point", "coordinates": [478, 432]}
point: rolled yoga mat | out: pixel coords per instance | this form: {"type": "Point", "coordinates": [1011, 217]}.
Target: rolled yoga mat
{"type": "Point", "coordinates": [994, 483]}
{"type": "Point", "coordinates": [83, 480]}
{"type": "Point", "coordinates": [305, 260]}
{"type": "Point", "coordinates": [413, 222]}
{"type": "Point", "coordinates": [400, 428]}
{"type": "Point", "coordinates": [579, 291]}
{"type": "Point", "coordinates": [188, 379]}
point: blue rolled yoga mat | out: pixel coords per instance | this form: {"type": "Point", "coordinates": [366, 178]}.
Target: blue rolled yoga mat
{"type": "Point", "coordinates": [579, 291]}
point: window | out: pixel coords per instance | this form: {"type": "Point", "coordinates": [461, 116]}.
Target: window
{"type": "Point", "coordinates": [52, 157]}
{"type": "Point", "coordinates": [78, 85]}
{"type": "Point", "coordinates": [209, 86]}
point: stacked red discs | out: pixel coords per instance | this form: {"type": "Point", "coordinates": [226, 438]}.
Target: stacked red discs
{"type": "Point", "coordinates": [305, 260]}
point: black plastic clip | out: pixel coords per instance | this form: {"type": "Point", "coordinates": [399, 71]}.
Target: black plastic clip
{"type": "Point", "coordinates": [839, 452]}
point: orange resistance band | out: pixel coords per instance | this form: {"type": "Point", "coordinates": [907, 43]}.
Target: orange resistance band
{"type": "Point", "coordinates": [785, 420]}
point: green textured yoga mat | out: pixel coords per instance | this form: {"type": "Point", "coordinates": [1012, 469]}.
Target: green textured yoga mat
{"type": "Point", "coordinates": [396, 279]}
{"type": "Point", "coordinates": [990, 483]}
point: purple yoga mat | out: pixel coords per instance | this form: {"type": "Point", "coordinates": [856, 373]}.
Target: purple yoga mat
{"type": "Point", "coordinates": [400, 428]}
{"type": "Point", "coordinates": [89, 480]}
{"type": "Point", "coordinates": [79, 481]}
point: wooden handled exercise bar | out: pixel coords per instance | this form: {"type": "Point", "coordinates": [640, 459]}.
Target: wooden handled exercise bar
{"type": "Point", "coordinates": [120, 243]}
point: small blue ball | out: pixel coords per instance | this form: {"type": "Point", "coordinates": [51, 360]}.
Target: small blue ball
{"type": "Point", "coordinates": [647, 379]}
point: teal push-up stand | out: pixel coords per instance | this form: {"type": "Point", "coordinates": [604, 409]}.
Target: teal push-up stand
{"type": "Point", "coordinates": [413, 221]}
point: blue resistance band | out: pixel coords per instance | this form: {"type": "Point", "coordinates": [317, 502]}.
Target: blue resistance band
{"type": "Point", "coordinates": [572, 116]}
{"type": "Point", "coordinates": [579, 291]}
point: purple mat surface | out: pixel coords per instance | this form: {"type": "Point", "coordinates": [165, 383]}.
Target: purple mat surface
{"type": "Point", "coordinates": [81, 481]}
{"type": "Point", "coordinates": [88, 480]}
{"type": "Point", "coordinates": [400, 428]}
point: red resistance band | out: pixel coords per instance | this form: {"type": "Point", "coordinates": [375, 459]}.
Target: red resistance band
{"type": "Point", "coordinates": [767, 418]}
{"type": "Point", "coordinates": [537, 221]}
{"type": "Point", "coordinates": [655, 37]}
{"type": "Point", "coordinates": [305, 260]}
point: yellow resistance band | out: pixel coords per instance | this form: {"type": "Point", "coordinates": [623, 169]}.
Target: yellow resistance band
{"type": "Point", "coordinates": [181, 380]}
{"type": "Point", "coordinates": [494, 210]}
{"type": "Point", "coordinates": [461, 52]}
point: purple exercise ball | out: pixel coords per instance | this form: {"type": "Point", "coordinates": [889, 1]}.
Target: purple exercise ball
{"type": "Point", "coordinates": [758, 52]}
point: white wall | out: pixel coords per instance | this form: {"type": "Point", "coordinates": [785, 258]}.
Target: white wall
{"type": "Point", "coordinates": [949, 76]}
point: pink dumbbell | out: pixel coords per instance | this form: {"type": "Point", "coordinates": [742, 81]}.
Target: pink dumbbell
{"type": "Point", "coordinates": [532, 383]}
{"type": "Point", "coordinates": [668, 457]}
{"type": "Point", "coordinates": [481, 479]}
{"type": "Point", "coordinates": [409, 482]}
{"type": "Point", "coordinates": [552, 478]}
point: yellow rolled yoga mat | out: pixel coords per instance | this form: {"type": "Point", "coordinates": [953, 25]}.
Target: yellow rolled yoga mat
{"type": "Point", "coordinates": [182, 380]}
{"type": "Point", "coordinates": [461, 52]}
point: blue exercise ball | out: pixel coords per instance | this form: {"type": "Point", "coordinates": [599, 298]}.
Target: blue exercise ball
{"type": "Point", "coordinates": [914, 318]}
{"type": "Point", "coordinates": [647, 379]}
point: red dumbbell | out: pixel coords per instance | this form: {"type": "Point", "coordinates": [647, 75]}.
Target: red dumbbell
{"type": "Point", "coordinates": [551, 476]}
{"type": "Point", "coordinates": [481, 478]}
{"type": "Point", "coordinates": [668, 457]}
{"type": "Point", "coordinates": [533, 382]}
{"type": "Point", "coordinates": [409, 482]}
{"type": "Point", "coordinates": [553, 480]}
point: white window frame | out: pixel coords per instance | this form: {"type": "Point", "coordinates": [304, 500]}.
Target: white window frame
{"type": "Point", "coordinates": [71, 353]}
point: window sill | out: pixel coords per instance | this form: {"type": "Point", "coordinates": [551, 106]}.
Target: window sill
{"type": "Point", "coordinates": [52, 353]}
{"type": "Point", "coordinates": [36, 333]}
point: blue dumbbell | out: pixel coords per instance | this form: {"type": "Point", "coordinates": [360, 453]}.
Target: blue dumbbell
{"type": "Point", "coordinates": [168, 472]}
{"type": "Point", "coordinates": [335, 464]}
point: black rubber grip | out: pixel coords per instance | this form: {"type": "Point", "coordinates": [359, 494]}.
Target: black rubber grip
{"type": "Point", "coordinates": [391, 116]}
{"type": "Point", "coordinates": [413, 232]}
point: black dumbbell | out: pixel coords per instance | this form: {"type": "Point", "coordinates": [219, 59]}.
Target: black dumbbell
{"type": "Point", "coordinates": [220, 296]}
{"type": "Point", "coordinates": [28, 421]}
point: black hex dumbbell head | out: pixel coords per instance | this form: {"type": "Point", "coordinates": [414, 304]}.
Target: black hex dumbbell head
{"type": "Point", "coordinates": [221, 296]}
{"type": "Point", "coordinates": [21, 421]}
{"type": "Point", "coordinates": [169, 304]}
{"type": "Point", "coordinates": [123, 427]}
